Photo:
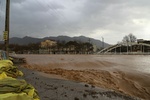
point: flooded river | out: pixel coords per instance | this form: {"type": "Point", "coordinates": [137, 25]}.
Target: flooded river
{"type": "Point", "coordinates": [139, 63]}
{"type": "Point", "coordinates": [129, 74]}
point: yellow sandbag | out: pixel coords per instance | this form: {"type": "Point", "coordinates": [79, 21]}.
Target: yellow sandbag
{"type": "Point", "coordinates": [7, 67]}
{"type": "Point", "coordinates": [10, 58]}
{"type": "Point", "coordinates": [3, 75]}
{"type": "Point", "coordinates": [16, 86]}
{"type": "Point", "coordinates": [15, 96]}
{"type": "Point", "coordinates": [6, 63]}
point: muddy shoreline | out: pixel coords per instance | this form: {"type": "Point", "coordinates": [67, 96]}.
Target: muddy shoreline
{"type": "Point", "coordinates": [53, 87]}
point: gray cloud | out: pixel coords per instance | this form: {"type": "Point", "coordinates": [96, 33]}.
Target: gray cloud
{"type": "Point", "coordinates": [111, 19]}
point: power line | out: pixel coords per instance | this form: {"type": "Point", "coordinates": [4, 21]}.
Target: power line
{"type": "Point", "coordinates": [50, 6]}
{"type": "Point", "coordinates": [44, 7]}
{"type": "Point", "coordinates": [61, 16]}
{"type": "Point", "coordinates": [48, 13]}
{"type": "Point", "coordinates": [57, 14]}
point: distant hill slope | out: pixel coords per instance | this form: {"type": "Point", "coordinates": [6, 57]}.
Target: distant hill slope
{"type": "Point", "coordinates": [26, 40]}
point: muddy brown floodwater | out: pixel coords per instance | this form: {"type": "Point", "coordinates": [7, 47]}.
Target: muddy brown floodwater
{"type": "Point", "coordinates": [129, 74]}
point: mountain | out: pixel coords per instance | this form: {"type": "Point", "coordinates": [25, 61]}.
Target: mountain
{"type": "Point", "coordinates": [26, 40]}
{"type": "Point", "coordinates": [98, 43]}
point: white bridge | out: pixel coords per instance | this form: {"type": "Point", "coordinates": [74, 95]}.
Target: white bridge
{"type": "Point", "coordinates": [126, 48]}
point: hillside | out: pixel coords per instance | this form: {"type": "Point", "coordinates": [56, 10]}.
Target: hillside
{"type": "Point", "coordinates": [26, 40]}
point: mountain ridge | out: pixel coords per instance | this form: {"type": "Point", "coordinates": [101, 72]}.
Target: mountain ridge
{"type": "Point", "coordinates": [27, 39]}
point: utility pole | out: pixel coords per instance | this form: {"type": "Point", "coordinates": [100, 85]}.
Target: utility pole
{"type": "Point", "coordinates": [103, 42]}
{"type": "Point", "coordinates": [6, 32]}
{"type": "Point", "coordinates": [89, 40]}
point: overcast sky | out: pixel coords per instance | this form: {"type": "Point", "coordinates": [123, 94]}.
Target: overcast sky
{"type": "Point", "coordinates": [110, 19]}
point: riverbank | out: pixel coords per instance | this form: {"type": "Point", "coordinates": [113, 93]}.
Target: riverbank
{"type": "Point", "coordinates": [53, 87]}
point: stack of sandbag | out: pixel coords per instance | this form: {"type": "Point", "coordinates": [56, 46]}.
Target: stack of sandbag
{"type": "Point", "coordinates": [8, 67]}
{"type": "Point", "coordinates": [16, 89]}
{"type": "Point", "coordinates": [12, 88]}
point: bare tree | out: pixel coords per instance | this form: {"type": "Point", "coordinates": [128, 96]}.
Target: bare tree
{"type": "Point", "coordinates": [126, 39]}
{"type": "Point", "coordinates": [129, 39]}
{"type": "Point", "coordinates": [132, 38]}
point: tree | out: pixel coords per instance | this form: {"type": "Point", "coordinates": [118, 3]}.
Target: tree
{"type": "Point", "coordinates": [87, 47]}
{"type": "Point", "coordinates": [126, 39]}
{"type": "Point", "coordinates": [132, 38]}
{"type": "Point", "coordinates": [129, 39]}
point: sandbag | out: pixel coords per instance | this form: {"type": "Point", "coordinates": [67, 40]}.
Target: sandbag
{"type": "Point", "coordinates": [7, 62]}
{"type": "Point", "coordinates": [14, 96]}
{"type": "Point", "coordinates": [16, 89]}
{"type": "Point", "coordinates": [8, 67]}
